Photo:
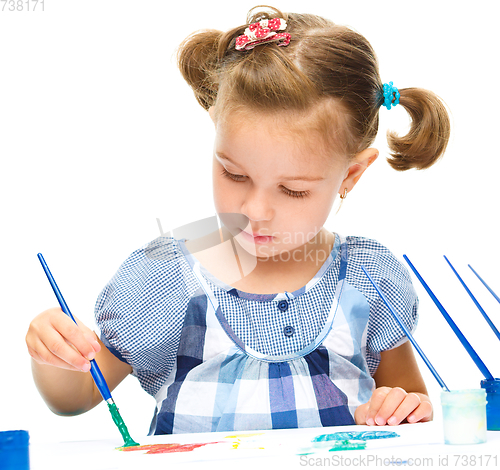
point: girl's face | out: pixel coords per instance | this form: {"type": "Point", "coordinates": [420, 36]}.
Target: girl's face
{"type": "Point", "coordinates": [275, 190]}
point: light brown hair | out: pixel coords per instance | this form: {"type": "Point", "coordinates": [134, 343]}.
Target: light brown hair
{"type": "Point", "coordinates": [325, 65]}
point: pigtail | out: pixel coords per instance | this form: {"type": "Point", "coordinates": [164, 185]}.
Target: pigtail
{"type": "Point", "coordinates": [197, 58]}
{"type": "Point", "coordinates": [429, 131]}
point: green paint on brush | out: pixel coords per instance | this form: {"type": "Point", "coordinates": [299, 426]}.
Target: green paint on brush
{"type": "Point", "coordinates": [129, 442]}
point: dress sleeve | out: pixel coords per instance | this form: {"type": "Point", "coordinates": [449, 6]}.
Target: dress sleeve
{"type": "Point", "coordinates": [394, 280]}
{"type": "Point", "coordinates": [140, 311]}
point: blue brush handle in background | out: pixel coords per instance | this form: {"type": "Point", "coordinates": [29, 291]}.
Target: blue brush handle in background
{"type": "Point", "coordinates": [407, 332]}
{"type": "Point", "coordinates": [485, 285]}
{"type": "Point", "coordinates": [94, 368]}
{"type": "Point", "coordinates": [472, 353]}
{"type": "Point", "coordinates": [477, 304]}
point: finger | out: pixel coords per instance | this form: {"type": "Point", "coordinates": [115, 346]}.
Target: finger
{"type": "Point", "coordinates": [361, 412]}
{"type": "Point", "coordinates": [53, 335]}
{"type": "Point", "coordinates": [392, 401]}
{"type": "Point", "coordinates": [43, 356]}
{"type": "Point", "coordinates": [422, 413]}
{"type": "Point", "coordinates": [410, 403]}
{"type": "Point", "coordinates": [35, 355]}
{"type": "Point", "coordinates": [91, 338]}
{"type": "Point", "coordinates": [81, 337]}
{"type": "Point", "coordinates": [74, 335]}
{"type": "Point", "coordinates": [376, 401]}
{"type": "Point", "coordinates": [57, 347]}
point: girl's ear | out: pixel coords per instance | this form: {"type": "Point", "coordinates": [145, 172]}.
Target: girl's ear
{"type": "Point", "coordinates": [357, 167]}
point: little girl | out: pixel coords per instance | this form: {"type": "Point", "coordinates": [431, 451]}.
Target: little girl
{"type": "Point", "coordinates": [273, 325]}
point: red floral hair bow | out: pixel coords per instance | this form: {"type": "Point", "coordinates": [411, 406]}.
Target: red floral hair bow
{"type": "Point", "coordinates": [262, 32]}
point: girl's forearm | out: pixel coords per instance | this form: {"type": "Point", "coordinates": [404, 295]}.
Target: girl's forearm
{"type": "Point", "coordinates": [65, 392]}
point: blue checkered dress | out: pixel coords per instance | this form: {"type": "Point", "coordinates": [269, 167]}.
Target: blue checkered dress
{"type": "Point", "coordinates": [219, 359]}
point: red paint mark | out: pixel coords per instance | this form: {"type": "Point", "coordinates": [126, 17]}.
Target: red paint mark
{"type": "Point", "coordinates": [166, 448]}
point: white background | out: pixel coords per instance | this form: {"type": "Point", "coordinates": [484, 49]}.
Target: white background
{"type": "Point", "coordinates": [91, 154]}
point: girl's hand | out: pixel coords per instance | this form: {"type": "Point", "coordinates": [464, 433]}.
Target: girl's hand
{"type": "Point", "coordinates": [53, 338]}
{"type": "Point", "coordinates": [392, 406]}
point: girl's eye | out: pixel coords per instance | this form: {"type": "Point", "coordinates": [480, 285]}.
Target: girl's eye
{"type": "Point", "coordinates": [295, 193]}
{"type": "Point", "coordinates": [287, 191]}
{"type": "Point", "coordinates": [231, 176]}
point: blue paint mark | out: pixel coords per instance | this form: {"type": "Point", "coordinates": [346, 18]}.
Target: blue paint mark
{"type": "Point", "coordinates": [355, 436]}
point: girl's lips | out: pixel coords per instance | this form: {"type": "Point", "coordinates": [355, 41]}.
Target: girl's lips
{"type": "Point", "coordinates": [259, 240]}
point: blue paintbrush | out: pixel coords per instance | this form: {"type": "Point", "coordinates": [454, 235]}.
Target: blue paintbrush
{"type": "Point", "coordinates": [486, 317]}
{"type": "Point", "coordinates": [94, 369]}
{"type": "Point", "coordinates": [485, 285]}
{"type": "Point", "coordinates": [477, 360]}
{"type": "Point", "coordinates": [407, 332]}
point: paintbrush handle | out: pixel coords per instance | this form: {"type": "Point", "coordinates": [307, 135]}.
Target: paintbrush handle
{"type": "Point", "coordinates": [481, 309]}
{"type": "Point", "coordinates": [472, 353]}
{"type": "Point", "coordinates": [100, 381]}
{"type": "Point", "coordinates": [485, 285]}
{"type": "Point", "coordinates": [407, 332]}
{"type": "Point", "coordinates": [94, 368]}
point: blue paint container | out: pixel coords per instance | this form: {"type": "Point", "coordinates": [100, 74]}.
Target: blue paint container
{"type": "Point", "coordinates": [14, 450]}
{"type": "Point", "coordinates": [492, 388]}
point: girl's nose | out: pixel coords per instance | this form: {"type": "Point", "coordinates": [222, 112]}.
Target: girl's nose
{"type": "Point", "coordinates": [257, 205]}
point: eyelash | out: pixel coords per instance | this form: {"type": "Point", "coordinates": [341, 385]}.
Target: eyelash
{"type": "Point", "coordinates": [289, 192]}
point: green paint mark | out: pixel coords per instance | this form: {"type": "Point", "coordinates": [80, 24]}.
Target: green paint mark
{"type": "Point", "coordinates": [344, 441]}
{"type": "Point", "coordinates": [129, 442]}
{"type": "Point", "coordinates": [347, 445]}
{"type": "Point", "coordinates": [358, 436]}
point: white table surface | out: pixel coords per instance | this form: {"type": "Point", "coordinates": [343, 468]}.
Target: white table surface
{"type": "Point", "coordinates": [419, 444]}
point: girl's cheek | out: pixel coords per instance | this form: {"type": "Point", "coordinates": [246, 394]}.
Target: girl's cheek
{"type": "Point", "coordinates": [223, 201]}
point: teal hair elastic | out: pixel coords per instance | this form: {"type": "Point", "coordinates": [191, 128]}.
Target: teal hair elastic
{"type": "Point", "coordinates": [390, 93]}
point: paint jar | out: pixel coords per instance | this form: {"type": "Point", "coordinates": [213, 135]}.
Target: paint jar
{"type": "Point", "coordinates": [464, 416]}
{"type": "Point", "coordinates": [492, 388]}
{"type": "Point", "coordinates": [14, 450]}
